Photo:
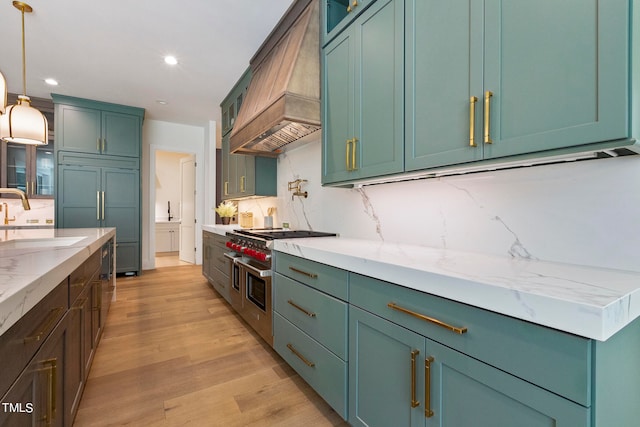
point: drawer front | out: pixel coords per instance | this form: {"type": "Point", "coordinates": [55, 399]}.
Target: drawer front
{"type": "Point", "coordinates": [328, 373]}
{"type": "Point", "coordinates": [220, 281]}
{"type": "Point", "coordinates": [22, 340]}
{"type": "Point", "coordinates": [319, 315]}
{"type": "Point", "coordinates": [81, 275]}
{"type": "Point", "coordinates": [327, 279]}
{"type": "Point", "coordinates": [554, 360]}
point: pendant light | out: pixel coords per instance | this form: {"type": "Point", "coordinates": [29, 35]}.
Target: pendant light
{"type": "Point", "coordinates": [21, 123]}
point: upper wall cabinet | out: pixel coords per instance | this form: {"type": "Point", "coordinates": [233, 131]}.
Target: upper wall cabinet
{"type": "Point", "coordinates": [86, 127]}
{"type": "Point", "coordinates": [363, 96]}
{"type": "Point", "coordinates": [338, 14]}
{"type": "Point", "coordinates": [232, 103]}
{"type": "Point", "coordinates": [482, 82]}
{"type": "Point", "coordinates": [515, 77]}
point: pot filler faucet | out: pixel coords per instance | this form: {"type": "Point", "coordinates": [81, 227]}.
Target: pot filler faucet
{"type": "Point", "coordinates": [23, 196]}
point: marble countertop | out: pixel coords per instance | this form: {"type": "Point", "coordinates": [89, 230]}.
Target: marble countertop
{"type": "Point", "coordinates": [219, 228]}
{"type": "Point", "coordinates": [33, 263]}
{"type": "Point", "coordinates": [586, 301]}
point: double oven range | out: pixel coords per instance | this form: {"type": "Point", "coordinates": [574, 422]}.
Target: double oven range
{"type": "Point", "coordinates": [250, 271]}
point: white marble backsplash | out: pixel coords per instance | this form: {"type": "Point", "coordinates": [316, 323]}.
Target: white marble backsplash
{"type": "Point", "coordinates": [42, 212]}
{"type": "Point", "coordinates": [584, 213]}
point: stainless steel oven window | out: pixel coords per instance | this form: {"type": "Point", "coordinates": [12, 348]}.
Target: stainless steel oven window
{"type": "Point", "coordinates": [257, 291]}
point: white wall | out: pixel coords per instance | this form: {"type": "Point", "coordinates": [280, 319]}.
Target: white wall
{"type": "Point", "coordinates": [165, 136]}
{"type": "Point", "coordinates": [581, 212]}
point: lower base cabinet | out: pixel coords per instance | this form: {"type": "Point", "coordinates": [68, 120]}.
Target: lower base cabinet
{"type": "Point", "coordinates": [398, 377]}
{"type": "Point", "coordinates": [55, 343]}
{"type": "Point", "coordinates": [215, 267]}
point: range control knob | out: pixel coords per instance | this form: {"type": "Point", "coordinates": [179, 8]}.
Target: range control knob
{"type": "Point", "coordinates": [261, 256]}
{"type": "Point", "coordinates": [229, 245]}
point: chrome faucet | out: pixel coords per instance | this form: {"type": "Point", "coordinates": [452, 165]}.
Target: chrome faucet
{"type": "Point", "coordinates": [25, 203]}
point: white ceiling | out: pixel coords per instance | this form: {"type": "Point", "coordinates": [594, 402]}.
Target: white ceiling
{"type": "Point", "coordinates": [113, 50]}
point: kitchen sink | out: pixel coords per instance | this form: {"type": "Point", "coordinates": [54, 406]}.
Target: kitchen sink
{"type": "Point", "coordinates": [47, 242]}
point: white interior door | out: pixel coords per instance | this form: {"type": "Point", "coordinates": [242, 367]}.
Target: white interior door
{"type": "Point", "coordinates": [188, 209]}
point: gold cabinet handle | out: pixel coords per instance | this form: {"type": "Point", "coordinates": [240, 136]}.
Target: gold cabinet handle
{"type": "Point", "coordinates": [472, 121]}
{"type": "Point", "coordinates": [301, 357]}
{"type": "Point", "coordinates": [103, 205]}
{"type": "Point", "coordinates": [353, 154]}
{"type": "Point", "coordinates": [79, 306]}
{"type": "Point", "coordinates": [428, 412]}
{"type": "Point", "coordinates": [44, 328]}
{"type": "Point", "coordinates": [98, 144]}
{"type": "Point", "coordinates": [347, 155]}
{"type": "Point", "coordinates": [414, 401]}
{"type": "Point", "coordinates": [98, 205]}
{"type": "Point", "coordinates": [51, 366]}
{"type": "Point", "coordinates": [310, 275]}
{"type": "Point", "coordinates": [352, 6]}
{"type": "Point", "coordinates": [242, 179]}
{"type": "Point", "coordinates": [308, 313]}
{"type": "Point", "coordinates": [226, 188]}
{"type": "Point", "coordinates": [456, 329]}
{"type": "Point", "coordinates": [487, 117]}
{"type": "Point", "coordinates": [104, 142]}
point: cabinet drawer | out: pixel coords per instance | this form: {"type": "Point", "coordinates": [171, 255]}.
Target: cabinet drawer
{"type": "Point", "coordinates": [322, 277]}
{"type": "Point", "coordinates": [323, 370]}
{"type": "Point", "coordinates": [554, 360]}
{"type": "Point", "coordinates": [319, 315]}
{"type": "Point", "coordinates": [22, 340]}
{"type": "Point", "coordinates": [81, 276]}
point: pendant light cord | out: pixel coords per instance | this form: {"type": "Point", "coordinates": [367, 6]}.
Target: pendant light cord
{"type": "Point", "coordinates": [24, 59]}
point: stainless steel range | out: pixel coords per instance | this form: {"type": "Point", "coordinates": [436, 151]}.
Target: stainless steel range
{"type": "Point", "coordinates": [250, 273]}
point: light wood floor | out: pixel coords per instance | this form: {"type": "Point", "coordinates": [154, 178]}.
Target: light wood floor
{"type": "Point", "coordinates": [173, 352]}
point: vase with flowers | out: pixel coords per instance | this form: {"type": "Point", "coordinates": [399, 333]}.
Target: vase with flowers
{"type": "Point", "coordinates": [226, 210]}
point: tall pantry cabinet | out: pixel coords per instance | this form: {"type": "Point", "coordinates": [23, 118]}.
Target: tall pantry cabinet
{"type": "Point", "coordinates": [98, 183]}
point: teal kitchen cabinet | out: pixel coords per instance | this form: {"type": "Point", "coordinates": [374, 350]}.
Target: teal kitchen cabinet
{"type": "Point", "coordinates": [363, 96]}
{"type": "Point", "coordinates": [310, 325]}
{"type": "Point", "coordinates": [97, 154]}
{"type": "Point", "coordinates": [97, 128]}
{"type": "Point", "coordinates": [247, 176]}
{"type": "Point", "coordinates": [513, 77]}
{"type": "Point", "coordinates": [95, 196]}
{"type": "Point", "coordinates": [337, 14]}
{"type": "Point", "coordinates": [398, 377]}
{"type": "Point", "coordinates": [243, 175]}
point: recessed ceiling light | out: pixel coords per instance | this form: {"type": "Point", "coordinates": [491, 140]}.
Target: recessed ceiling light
{"type": "Point", "coordinates": [52, 82]}
{"type": "Point", "coordinates": [171, 60]}
{"type": "Point", "coordinates": [162, 102]}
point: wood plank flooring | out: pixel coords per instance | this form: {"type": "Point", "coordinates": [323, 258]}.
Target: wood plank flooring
{"type": "Point", "coordinates": [174, 352]}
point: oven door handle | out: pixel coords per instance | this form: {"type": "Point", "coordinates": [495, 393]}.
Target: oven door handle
{"type": "Point", "coordinates": [261, 273]}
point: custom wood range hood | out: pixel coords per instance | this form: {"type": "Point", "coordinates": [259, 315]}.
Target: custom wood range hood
{"type": "Point", "coordinates": [282, 103]}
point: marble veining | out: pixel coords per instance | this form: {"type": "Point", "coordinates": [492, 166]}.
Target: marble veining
{"type": "Point", "coordinates": [587, 301]}
{"type": "Point", "coordinates": [28, 274]}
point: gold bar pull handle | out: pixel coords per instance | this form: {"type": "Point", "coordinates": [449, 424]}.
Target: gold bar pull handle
{"type": "Point", "coordinates": [226, 188]}
{"type": "Point", "coordinates": [456, 329]}
{"type": "Point", "coordinates": [98, 144]}
{"type": "Point", "coordinates": [310, 275]}
{"type": "Point", "coordinates": [103, 205]}
{"type": "Point", "coordinates": [347, 155]}
{"type": "Point", "coordinates": [428, 412]}
{"type": "Point", "coordinates": [242, 179]}
{"type": "Point", "coordinates": [98, 205]}
{"type": "Point", "coordinates": [307, 312]}
{"type": "Point", "coordinates": [46, 326]}
{"type": "Point", "coordinates": [104, 142]}
{"type": "Point", "coordinates": [487, 117]}
{"type": "Point", "coordinates": [353, 154]}
{"type": "Point", "coordinates": [472, 121]}
{"type": "Point", "coordinates": [51, 367]}
{"type": "Point", "coordinates": [299, 356]}
{"type": "Point", "coordinates": [414, 402]}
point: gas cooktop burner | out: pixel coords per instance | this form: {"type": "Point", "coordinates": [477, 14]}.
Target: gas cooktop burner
{"type": "Point", "coordinates": [278, 233]}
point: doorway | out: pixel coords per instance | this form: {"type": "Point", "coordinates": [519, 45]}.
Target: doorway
{"type": "Point", "coordinates": [174, 185]}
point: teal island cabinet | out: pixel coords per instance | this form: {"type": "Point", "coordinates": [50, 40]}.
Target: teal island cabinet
{"type": "Point", "coordinates": [98, 172]}
{"type": "Point", "coordinates": [416, 358]}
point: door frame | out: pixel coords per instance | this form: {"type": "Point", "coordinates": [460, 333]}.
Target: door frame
{"type": "Point", "coordinates": [151, 217]}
